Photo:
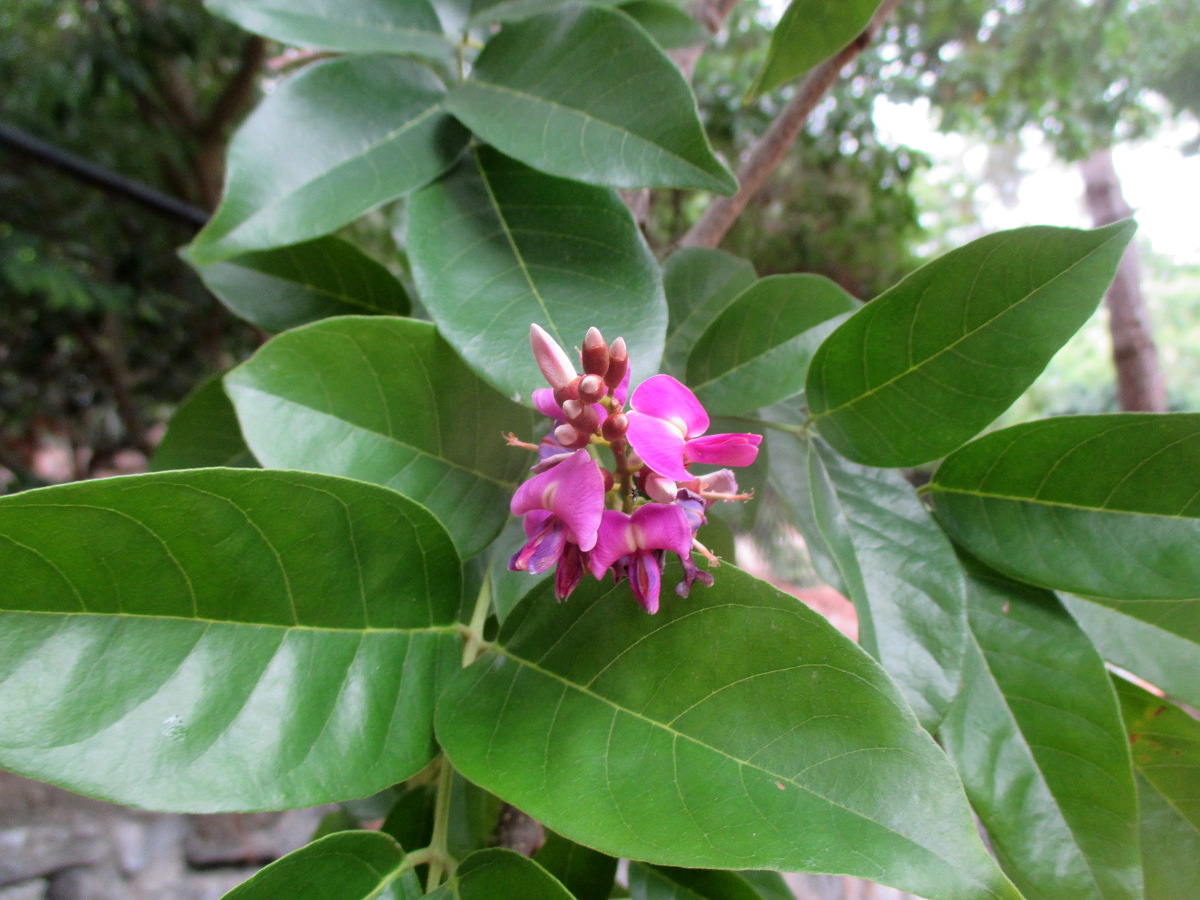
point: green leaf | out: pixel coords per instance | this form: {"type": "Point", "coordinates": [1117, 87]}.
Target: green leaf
{"type": "Point", "coordinates": [1037, 738]}
{"type": "Point", "coordinates": [670, 26]}
{"type": "Point", "coordinates": [222, 639]}
{"type": "Point", "coordinates": [360, 26]}
{"type": "Point", "coordinates": [1161, 645]}
{"type": "Point", "coordinates": [666, 883]}
{"type": "Point", "coordinates": [923, 368]}
{"type": "Point", "coordinates": [349, 865]}
{"type": "Point", "coordinates": [410, 820]}
{"type": "Point", "coordinates": [203, 433]}
{"type": "Point", "coordinates": [385, 401]}
{"type": "Point", "coordinates": [757, 351]}
{"type": "Point", "coordinates": [491, 11]}
{"type": "Point", "coordinates": [496, 246]}
{"type": "Point", "coordinates": [809, 32]}
{"type": "Point", "coordinates": [699, 283]}
{"type": "Point", "coordinates": [500, 875]}
{"type": "Point", "coordinates": [370, 128]}
{"type": "Point", "coordinates": [292, 286]}
{"type": "Point", "coordinates": [565, 93]}
{"type": "Point", "coordinates": [735, 728]}
{"type": "Point", "coordinates": [584, 872]}
{"type": "Point", "coordinates": [889, 557]}
{"type": "Point", "coordinates": [1166, 756]}
{"type": "Point", "coordinates": [1107, 506]}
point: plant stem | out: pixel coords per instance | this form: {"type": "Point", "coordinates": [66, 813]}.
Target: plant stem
{"type": "Point", "coordinates": [437, 849]}
{"type": "Point", "coordinates": [474, 642]}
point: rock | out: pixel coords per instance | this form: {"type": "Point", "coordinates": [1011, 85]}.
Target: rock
{"type": "Point", "coordinates": [224, 840]}
{"type": "Point", "coordinates": [26, 890]}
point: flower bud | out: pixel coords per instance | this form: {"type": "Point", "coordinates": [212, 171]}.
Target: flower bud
{"type": "Point", "coordinates": [609, 480]}
{"type": "Point", "coordinates": [658, 488]}
{"type": "Point", "coordinates": [591, 389]}
{"type": "Point", "coordinates": [553, 361]}
{"type": "Point", "coordinates": [569, 391]}
{"type": "Point", "coordinates": [570, 438]}
{"type": "Point", "coordinates": [582, 417]}
{"type": "Point", "coordinates": [595, 353]}
{"type": "Point", "coordinates": [615, 426]}
{"type": "Point", "coordinates": [618, 363]}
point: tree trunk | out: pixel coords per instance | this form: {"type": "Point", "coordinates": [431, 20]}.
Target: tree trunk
{"type": "Point", "coordinates": [1140, 385]}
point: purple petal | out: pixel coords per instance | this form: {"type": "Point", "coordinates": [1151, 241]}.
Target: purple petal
{"type": "Point", "coordinates": [645, 579]}
{"type": "Point", "coordinates": [657, 526]}
{"type": "Point", "coordinates": [659, 444]}
{"type": "Point", "coordinates": [614, 540]}
{"type": "Point", "coordinates": [573, 490]}
{"type": "Point", "coordinates": [570, 571]}
{"type": "Point", "coordinates": [621, 394]}
{"type": "Point", "coordinates": [723, 449]}
{"type": "Point", "coordinates": [665, 398]}
{"type": "Point", "coordinates": [542, 549]}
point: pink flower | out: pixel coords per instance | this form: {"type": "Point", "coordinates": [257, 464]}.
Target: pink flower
{"type": "Point", "coordinates": [666, 429]}
{"type": "Point", "coordinates": [562, 508]}
{"type": "Point", "coordinates": [634, 545]}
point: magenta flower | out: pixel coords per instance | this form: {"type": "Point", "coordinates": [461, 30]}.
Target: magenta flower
{"type": "Point", "coordinates": [562, 508]}
{"type": "Point", "coordinates": [666, 429]}
{"type": "Point", "coordinates": [634, 545]}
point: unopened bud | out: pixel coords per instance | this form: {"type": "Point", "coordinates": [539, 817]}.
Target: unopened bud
{"type": "Point", "coordinates": [591, 389]}
{"type": "Point", "coordinates": [582, 417]}
{"type": "Point", "coordinates": [615, 426]}
{"type": "Point", "coordinates": [618, 363]}
{"type": "Point", "coordinates": [659, 488]}
{"type": "Point", "coordinates": [570, 391]}
{"type": "Point", "coordinates": [595, 353]}
{"type": "Point", "coordinates": [609, 480]}
{"type": "Point", "coordinates": [570, 438]}
{"type": "Point", "coordinates": [555, 365]}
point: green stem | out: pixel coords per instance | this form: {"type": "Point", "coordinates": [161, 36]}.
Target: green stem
{"type": "Point", "coordinates": [438, 851]}
{"type": "Point", "coordinates": [474, 643]}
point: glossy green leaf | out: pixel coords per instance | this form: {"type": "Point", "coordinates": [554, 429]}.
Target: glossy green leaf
{"type": "Point", "coordinates": [809, 32]}
{"type": "Point", "coordinates": [565, 93]}
{"type": "Point", "coordinates": [349, 865]}
{"type": "Point", "coordinates": [757, 351]}
{"type": "Point", "coordinates": [667, 883]}
{"type": "Point", "coordinates": [333, 822]}
{"type": "Point", "coordinates": [222, 639]}
{"type": "Point", "coordinates": [1107, 506]}
{"type": "Point", "coordinates": [361, 26]}
{"type": "Point", "coordinates": [496, 246]}
{"type": "Point", "coordinates": [1166, 756]}
{"type": "Point", "coordinates": [889, 557]}
{"type": "Point", "coordinates": [699, 283]}
{"type": "Point", "coordinates": [1161, 645]}
{"type": "Point", "coordinates": [1037, 738]}
{"type": "Point", "coordinates": [203, 433]}
{"type": "Point", "coordinates": [586, 873]}
{"type": "Point", "coordinates": [736, 728]}
{"type": "Point", "coordinates": [670, 26]}
{"type": "Point", "coordinates": [301, 283]}
{"type": "Point", "coordinates": [500, 875]}
{"type": "Point", "coordinates": [328, 144]}
{"type": "Point", "coordinates": [491, 11]}
{"type": "Point", "coordinates": [926, 366]}
{"type": "Point", "coordinates": [385, 401]}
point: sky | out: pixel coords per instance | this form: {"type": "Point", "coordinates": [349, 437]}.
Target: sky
{"type": "Point", "coordinates": [1160, 183]}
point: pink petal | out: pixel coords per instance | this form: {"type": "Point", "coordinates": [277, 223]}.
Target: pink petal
{"type": "Point", "coordinates": [573, 490]}
{"type": "Point", "coordinates": [665, 398]}
{"type": "Point", "coordinates": [723, 449]}
{"type": "Point", "coordinates": [659, 444]}
{"type": "Point", "coordinates": [645, 580]}
{"type": "Point", "coordinates": [657, 526]}
{"type": "Point", "coordinates": [614, 540]}
{"type": "Point", "coordinates": [621, 393]}
{"type": "Point", "coordinates": [543, 402]}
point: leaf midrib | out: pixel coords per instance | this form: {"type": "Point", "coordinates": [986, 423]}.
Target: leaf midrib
{"type": "Point", "coordinates": [953, 345]}
{"type": "Point", "coordinates": [745, 763]}
{"type": "Point", "coordinates": [415, 630]}
{"type": "Point", "coordinates": [242, 386]}
{"type": "Point", "coordinates": [603, 123]}
{"type": "Point", "coordinates": [937, 488]}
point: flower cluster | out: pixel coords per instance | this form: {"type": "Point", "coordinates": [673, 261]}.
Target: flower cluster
{"type": "Point", "coordinates": [582, 516]}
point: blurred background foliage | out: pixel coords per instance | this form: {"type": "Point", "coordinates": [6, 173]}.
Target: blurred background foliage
{"type": "Point", "coordinates": [103, 330]}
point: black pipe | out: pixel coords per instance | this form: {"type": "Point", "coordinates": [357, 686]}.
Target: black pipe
{"type": "Point", "coordinates": [78, 167]}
